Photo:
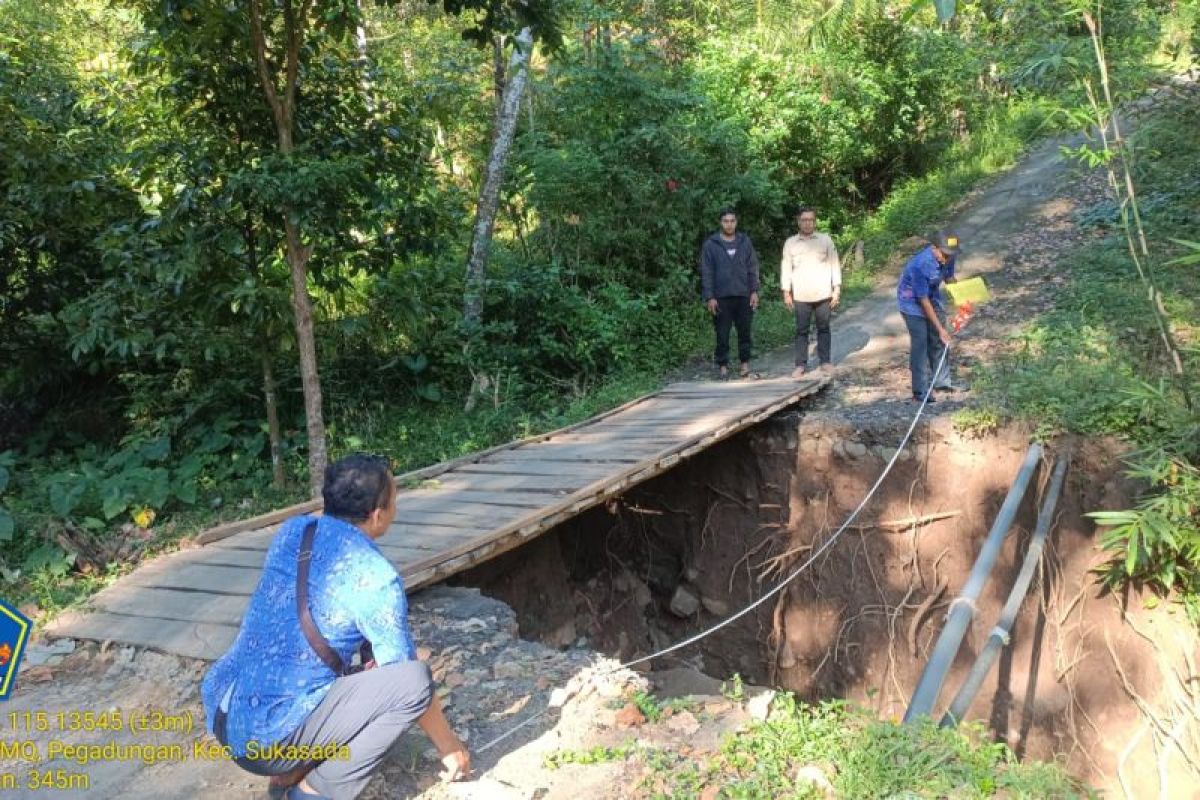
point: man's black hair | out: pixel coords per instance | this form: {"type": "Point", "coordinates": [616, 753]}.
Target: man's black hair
{"type": "Point", "coordinates": [355, 486]}
{"type": "Point", "coordinates": [802, 210]}
{"type": "Point", "coordinates": [726, 210]}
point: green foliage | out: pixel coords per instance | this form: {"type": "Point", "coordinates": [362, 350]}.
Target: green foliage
{"type": "Point", "coordinates": [980, 420]}
{"type": "Point", "coordinates": [861, 756]}
{"type": "Point", "coordinates": [599, 754]}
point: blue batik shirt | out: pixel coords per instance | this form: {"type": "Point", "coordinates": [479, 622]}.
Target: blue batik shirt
{"type": "Point", "coordinates": [272, 676]}
{"type": "Point", "coordinates": [923, 276]}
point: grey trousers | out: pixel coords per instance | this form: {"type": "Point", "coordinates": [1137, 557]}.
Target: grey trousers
{"type": "Point", "coordinates": [363, 714]}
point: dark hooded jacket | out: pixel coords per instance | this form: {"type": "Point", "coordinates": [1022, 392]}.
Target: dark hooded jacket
{"type": "Point", "coordinates": [722, 276]}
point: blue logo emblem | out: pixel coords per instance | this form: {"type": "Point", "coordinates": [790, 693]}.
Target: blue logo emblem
{"type": "Point", "coordinates": [14, 633]}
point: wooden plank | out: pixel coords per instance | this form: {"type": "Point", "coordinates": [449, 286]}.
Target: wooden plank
{"type": "Point", "coordinates": [189, 639]}
{"type": "Point", "coordinates": [422, 530]}
{"type": "Point", "coordinates": [173, 604]}
{"type": "Point", "coordinates": [221, 580]}
{"type": "Point", "coordinates": [261, 538]}
{"type": "Point", "coordinates": [536, 484]}
{"type": "Point", "coordinates": [479, 517]}
{"type": "Point", "coordinates": [392, 545]}
{"type": "Point", "coordinates": [533, 468]}
{"type": "Point", "coordinates": [437, 499]}
{"type": "Point", "coordinates": [576, 452]}
{"type": "Point", "coordinates": [229, 557]}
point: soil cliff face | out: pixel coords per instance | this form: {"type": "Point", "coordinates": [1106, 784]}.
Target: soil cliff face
{"type": "Point", "coordinates": [682, 552]}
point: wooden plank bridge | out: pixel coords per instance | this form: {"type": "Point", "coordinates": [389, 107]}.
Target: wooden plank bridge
{"type": "Point", "coordinates": [450, 516]}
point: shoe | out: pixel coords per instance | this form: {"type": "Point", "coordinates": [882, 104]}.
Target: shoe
{"type": "Point", "coordinates": [952, 387]}
{"type": "Point", "coordinates": [798, 373]}
{"type": "Point", "coordinates": [918, 398]}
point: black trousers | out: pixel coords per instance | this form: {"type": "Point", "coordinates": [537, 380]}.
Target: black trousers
{"type": "Point", "coordinates": [731, 312]}
{"type": "Point", "coordinates": [805, 314]}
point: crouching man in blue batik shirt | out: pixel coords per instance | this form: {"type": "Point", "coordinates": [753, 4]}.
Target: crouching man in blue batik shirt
{"type": "Point", "coordinates": [284, 700]}
{"type": "Point", "coordinates": [919, 297]}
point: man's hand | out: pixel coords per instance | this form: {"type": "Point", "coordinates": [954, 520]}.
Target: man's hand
{"type": "Point", "coordinates": [944, 335]}
{"type": "Point", "coordinates": [787, 300]}
{"type": "Point", "coordinates": [836, 299]}
{"type": "Point", "coordinates": [712, 306]}
{"type": "Point", "coordinates": [754, 301]}
{"type": "Point", "coordinates": [457, 766]}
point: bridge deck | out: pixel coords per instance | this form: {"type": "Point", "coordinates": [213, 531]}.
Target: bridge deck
{"type": "Point", "coordinates": [449, 517]}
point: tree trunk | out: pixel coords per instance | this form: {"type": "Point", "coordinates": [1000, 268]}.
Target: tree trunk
{"type": "Point", "coordinates": [278, 478]}
{"type": "Point", "coordinates": [297, 256]}
{"type": "Point", "coordinates": [489, 196]}
{"type": "Point", "coordinates": [283, 110]}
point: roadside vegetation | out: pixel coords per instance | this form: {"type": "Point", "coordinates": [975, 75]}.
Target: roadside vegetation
{"type": "Point", "coordinates": [155, 380]}
{"type": "Point", "coordinates": [833, 749]}
{"type": "Point", "coordinates": [1098, 364]}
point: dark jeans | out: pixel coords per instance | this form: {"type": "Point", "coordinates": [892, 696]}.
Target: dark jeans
{"type": "Point", "coordinates": [924, 354]}
{"type": "Point", "coordinates": [805, 312]}
{"type": "Point", "coordinates": [364, 714]}
{"type": "Point", "coordinates": [733, 311]}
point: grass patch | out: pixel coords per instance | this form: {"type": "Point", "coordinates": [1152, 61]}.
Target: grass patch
{"type": "Point", "coordinates": [801, 746]}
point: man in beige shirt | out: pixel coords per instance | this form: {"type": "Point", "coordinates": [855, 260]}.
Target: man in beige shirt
{"type": "Point", "coordinates": [811, 279]}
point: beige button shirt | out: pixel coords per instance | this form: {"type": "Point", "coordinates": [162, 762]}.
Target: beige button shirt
{"type": "Point", "coordinates": [810, 269]}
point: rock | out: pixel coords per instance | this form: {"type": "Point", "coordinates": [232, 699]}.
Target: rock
{"type": "Point", "coordinates": [482, 789]}
{"type": "Point", "coordinates": [855, 449]}
{"type": "Point", "coordinates": [839, 448]}
{"type": "Point", "coordinates": [36, 675]}
{"type": "Point", "coordinates": [562, 636]}
{"type": "Point", "coordinates": [812, 775]}
{"type": "Point", "coordinates": [691, 574]}
{"type": "Point", "coordinates": [630, 716]}
{"type": "Point", "coordinates": [684, 722]}
{"type": "Point", "coordinates": [759, 706]}
{"type": "Point", "coordinates": [716, 607]}
{"type": "Point", "coordinates": [37, 654]}
{"type": "Point", "coordinates": [508, 670]}
{"type": "Point", "coordinates": [454, 680]}
{"type": "Point", "coordinates": [626, 583]}
{"type": "Point", "coordinates": [684, 603]}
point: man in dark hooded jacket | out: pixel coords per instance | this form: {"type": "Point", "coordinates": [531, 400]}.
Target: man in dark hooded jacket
{"type": "Point", "coordinates": [729, 279]}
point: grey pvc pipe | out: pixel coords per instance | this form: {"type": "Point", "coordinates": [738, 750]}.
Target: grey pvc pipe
{"type": "Point", "coordinates": [963, 608]}
{"type": "Point", "coordinates": [999, 635]}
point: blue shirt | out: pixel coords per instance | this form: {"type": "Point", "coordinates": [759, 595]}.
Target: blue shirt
{"type": "Point", "coordinates": [277, 679]}
{"type": "Point", "coordinates": [922, 277]}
